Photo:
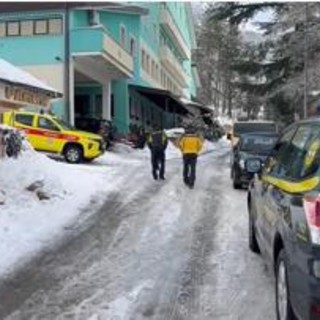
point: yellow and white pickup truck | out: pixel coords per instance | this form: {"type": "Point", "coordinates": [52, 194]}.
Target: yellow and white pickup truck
{"type": "Point", "coordinates": [52, 135]}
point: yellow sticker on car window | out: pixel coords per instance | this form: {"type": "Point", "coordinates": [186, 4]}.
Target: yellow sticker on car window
{"type": "Point", "coordinates": [311, 154]}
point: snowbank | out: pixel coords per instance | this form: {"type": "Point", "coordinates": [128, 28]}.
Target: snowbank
{"type": "Point", "coordinates": [175, 132]}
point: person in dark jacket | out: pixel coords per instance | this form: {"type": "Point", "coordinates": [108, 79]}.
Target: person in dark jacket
{"type": "Point", "coordinates": [158, 143]}
{"type": "Point", "coordinates": [141, 140]}
{"type": "Point", "coordinates": [190, 145]}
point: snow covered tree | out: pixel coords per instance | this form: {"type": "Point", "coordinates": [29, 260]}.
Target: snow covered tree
{"type": "Point", "coordinates": [218, 44]}
{"type": "Point", "coordinates": [289, 61]}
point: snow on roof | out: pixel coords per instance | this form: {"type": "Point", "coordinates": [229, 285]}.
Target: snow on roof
{"type": "Point", "coordinates": [15, 75]}
{"type": "Point", "coordinates": [187, 101]}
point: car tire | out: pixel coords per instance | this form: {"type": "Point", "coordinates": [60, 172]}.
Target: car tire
{"type": "Point", "coordinates": [253, 243]}
{"type": "Point", "coordinates": [73, 154]}
{"type": "Point", "coordinates": [284, 309]}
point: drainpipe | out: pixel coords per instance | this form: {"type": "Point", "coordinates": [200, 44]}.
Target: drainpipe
{"type": "Point", "coordinates": [67, 61]}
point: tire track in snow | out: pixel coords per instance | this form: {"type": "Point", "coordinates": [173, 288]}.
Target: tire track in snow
{"type": "Point", "coordinates": [175, 295]}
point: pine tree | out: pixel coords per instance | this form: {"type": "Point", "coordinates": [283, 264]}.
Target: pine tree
{"type": "Point", "coordinates": [289, 58]}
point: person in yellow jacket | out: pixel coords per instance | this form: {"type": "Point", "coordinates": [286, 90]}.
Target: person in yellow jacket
{"type": "Point", "coordinates": [190, 145]}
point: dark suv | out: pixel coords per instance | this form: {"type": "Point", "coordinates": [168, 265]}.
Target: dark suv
{"type": "Point", "coordinates": [284, 218]}
{"type": "Point", "coordinates": [257, 145]}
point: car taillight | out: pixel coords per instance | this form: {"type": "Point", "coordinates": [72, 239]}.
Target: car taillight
{"type": "Point", "coordinates": [315, 309]}
{"type": "Point", "coordinates": [311, 204]}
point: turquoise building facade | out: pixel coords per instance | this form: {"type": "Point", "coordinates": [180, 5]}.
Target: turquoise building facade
{"type": "Point", "coordinates": [129, 63]}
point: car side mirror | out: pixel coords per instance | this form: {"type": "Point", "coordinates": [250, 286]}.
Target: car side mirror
{"type": "Point", "coordinates": [253, 165]}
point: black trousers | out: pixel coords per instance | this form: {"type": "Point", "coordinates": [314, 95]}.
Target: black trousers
{"type": "Point", "coordinates": [158, 160]}
{"type": "Point", "coordinates": [189, 168]}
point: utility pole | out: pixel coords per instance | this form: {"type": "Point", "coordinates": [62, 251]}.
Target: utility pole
{"type": "Point", "coordinates": [67, 62]}
{"type": "Point", "coordinates": [305, 100]}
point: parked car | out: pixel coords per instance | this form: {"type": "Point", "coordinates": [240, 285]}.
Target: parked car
{"type": "Point", "coordinates": [98, 126]}
{"type": "Point", "coordinates": [257, 145]}
{"type": "Point", "coordinates": [243, 127]}
{"type": "Point", "coordinates": [50, 134]}
{"type": "Point", "coordinates": [284, 218]}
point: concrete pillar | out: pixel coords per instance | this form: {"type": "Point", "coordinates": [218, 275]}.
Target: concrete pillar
{"type": "Point", "coordinates": [71, 92]}
{"type": "Point", "coordinates": [106, 100]}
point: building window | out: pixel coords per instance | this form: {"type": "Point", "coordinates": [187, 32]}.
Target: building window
{"type": "Point", "coordinates": [153, 69]}
{"type": "Point", "coordinates": [148, 63]}
{"type": "Point", "coordinates": [112, 106]}
{"type": "Point", "coordinates": [132, 47]}
{"type": "Point", "coordinates": [55, 26]}
{"type": "Point", "coordinates": [131, 108]}
{"type": "Point", "coordinates": [123, 36]}
{"type": "Point", "coordinates": [3, 29]}
{"type": "Point", "coordinates": [137, 107]}
{"type": "Point", "coordinates": [41, 27]}
{"type": "Point", "coordinates": [142, 112]}
{"type": "Point", "coordinates": [98, 105]}
{"type": "Point", "coordinates": [143, 59]}
{"type": "Point", "coordinates": [26, 28]}
{"type": "Point", "coordinates": [157, 73]}
{"type": "Point", "coordinates": [13, 28]}
{"type": "Point", "coordinates": [148, 115]}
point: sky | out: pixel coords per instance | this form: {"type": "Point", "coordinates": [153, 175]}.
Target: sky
{"type": "Point", "coordinates": [263, 16]}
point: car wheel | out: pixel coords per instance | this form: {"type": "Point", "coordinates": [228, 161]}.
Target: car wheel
{"type": "Point", "coordinates": [73, 154]}
{"type": "Point", "coordinates": [253, 243]}
{"type": "Point", "coordinates": [283, 306]}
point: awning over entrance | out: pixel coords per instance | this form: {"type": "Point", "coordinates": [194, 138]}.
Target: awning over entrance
{"type": "Point", "coordinates": [163, 98]}
{"type": "Point", "coordinates": [202, 109]}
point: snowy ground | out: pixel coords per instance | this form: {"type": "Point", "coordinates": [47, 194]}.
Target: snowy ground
{"type": "Point", "coordinates": [154, 250]}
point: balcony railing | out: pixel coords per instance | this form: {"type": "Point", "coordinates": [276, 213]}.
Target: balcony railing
{"type": "Point", "coordinates": [171, 63]}
{"type": "Point", "coordinates": [117, 53]}
{"type": "Point", "coordinates": [90, 40]}
{"type": "Point", "coordinates": [171, 28]}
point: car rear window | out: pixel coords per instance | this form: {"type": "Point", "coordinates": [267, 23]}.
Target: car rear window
{"type": "Point", "coordinates": [248, 127]}
{"type": "Point", "coordinates": [257, 143]}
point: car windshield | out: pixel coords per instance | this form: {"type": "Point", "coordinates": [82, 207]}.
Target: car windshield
{"type": "Point", "coordinates": [64, 125]}
{"type": "Point", "coordinates": [257, 143]}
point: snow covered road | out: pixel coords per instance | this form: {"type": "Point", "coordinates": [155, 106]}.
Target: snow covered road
{"type": "Point", "coordinates": [155, 250]}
